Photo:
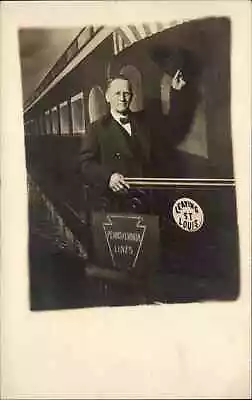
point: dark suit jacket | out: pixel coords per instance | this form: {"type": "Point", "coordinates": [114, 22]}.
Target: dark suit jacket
{"type": "Point", "coordinates": [107, 148]}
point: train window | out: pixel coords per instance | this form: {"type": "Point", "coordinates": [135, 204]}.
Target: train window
{"type": "Point", "coordinates": [78, 116]}
{"type": "Point", "coordinates": [41, 125]}
{"type": "Point", "coordinates": [36, 127]}
{"type": "Point", "coordinates": [55, 121]}
{"type": "Point", "coordinates": [165, 87]}
{"type": "Point", "coordinates": [97, 105]}
{"type": "Point", "coordinates": [27, 127]}
{"type": "Point", "coordinates": [64, 118]}
{"type": "Point", "coordinates": [135, 78]}
{"type": "Point", "coordinates": [32, 126]}
{"type": "Point", "coordinates": [48, 122]}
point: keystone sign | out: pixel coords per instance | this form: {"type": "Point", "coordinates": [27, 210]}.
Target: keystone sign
{"type": "Point", "coordinates": [125, 242]}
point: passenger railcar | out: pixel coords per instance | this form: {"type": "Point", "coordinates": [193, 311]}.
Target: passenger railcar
{"type": "Point", "coordinates": [187, 209]}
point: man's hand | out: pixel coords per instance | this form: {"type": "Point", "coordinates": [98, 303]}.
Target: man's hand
{"type": "Point", "coordinates": [117, 183]}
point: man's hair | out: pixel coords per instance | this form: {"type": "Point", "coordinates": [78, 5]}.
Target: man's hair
{"type": "Point", "coordinates": [119, 76]}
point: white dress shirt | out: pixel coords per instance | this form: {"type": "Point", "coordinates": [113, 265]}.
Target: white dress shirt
{"type": "Point", "coordinates": [127, 126]}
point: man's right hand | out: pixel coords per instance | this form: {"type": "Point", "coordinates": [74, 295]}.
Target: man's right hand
{"type": "Point", "coordinates": [117, 183]}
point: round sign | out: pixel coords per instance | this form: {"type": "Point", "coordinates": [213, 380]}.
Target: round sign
{"type": "Point", "coordinates": [187, 214]}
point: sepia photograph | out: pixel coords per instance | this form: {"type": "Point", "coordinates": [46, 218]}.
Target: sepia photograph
{"type": "Point", "coordinates": [125, 199]}
{"type": "Point", "coordinates": [129, 159]}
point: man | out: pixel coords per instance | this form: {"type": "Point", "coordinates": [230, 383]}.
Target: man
{"type": "Point", "coordinates": [118, 145]}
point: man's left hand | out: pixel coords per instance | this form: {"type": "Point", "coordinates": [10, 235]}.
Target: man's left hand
{"type": "Point", "coordinates": [178, 81]}
{"type": "Point", "coordinates": [117, 183]}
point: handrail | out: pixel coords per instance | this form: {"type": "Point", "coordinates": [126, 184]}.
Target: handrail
{"type": "Point", "coordinates": [162, 182]}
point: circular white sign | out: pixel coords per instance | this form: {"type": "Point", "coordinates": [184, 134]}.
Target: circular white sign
{"type": "Point", "coordinates": [187, 214]}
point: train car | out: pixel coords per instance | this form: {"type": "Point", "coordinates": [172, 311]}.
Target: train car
{"type": "Point", "coordinates": [173, 236]}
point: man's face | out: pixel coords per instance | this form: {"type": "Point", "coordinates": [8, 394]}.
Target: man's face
{"type": "Point", "coordinates": [119, 96]}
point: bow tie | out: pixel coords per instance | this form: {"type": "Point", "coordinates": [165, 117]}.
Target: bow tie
{"type": "Point", "coordinates": [124, 120]}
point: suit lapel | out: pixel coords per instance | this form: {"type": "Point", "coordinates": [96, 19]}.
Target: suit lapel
{"type": "Point", "coordinates": [114, 135]}
{"type": "Point", "coordinates": [139, 130]}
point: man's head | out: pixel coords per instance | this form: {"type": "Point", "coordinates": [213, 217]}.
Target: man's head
{"type": "Point", "coordinates": [119, 94]}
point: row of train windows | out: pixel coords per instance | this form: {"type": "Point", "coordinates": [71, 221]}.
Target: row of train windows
{"type": "Point", "coordinates": [64, 119]}
{"type": "Point", "coordinates": [72, 117]}
{"type": "Point", "coordinates": [69, 117]}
